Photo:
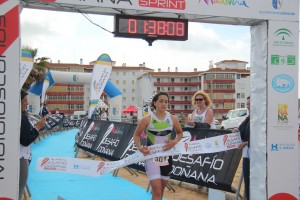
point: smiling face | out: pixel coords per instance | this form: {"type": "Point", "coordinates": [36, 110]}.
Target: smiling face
{"type": "Point", "coordinates": [200, 101]}
{"type": "Point", "coordinates": [24, 103]}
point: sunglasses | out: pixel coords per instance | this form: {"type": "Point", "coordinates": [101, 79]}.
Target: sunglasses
{"type": "Point", "coordinates": [199, 99]}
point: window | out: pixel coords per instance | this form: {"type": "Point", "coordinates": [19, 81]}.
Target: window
{"type": "Point", "coordinates": [132, 82]}
{"type": "Point", "coordinates": [238, 76]}
{"type": "Point", "coordinates": [172, 80]}
{"type": "Point", "coordinates": [158, 80]}
{"type": "Point", "coordinates": [172, 97]}
{"type": "Point", "coordinates": [124, 73]}
{"type": "Point", "coordinates": [242, 105]}
{"type": "Point", "coordinates": [185, 98]}
{"type": "Point", "coordinates": [186, 107]}
{"type": "Point", "coordinates": [133, 90]}
{"type": "Point", "coordinates": [172, 107]}
{"type": "Point", "coordinates": [117, 73]}
{"type": "Point", "coordinates": [242, 95]}
{"type": "Point", "coordinates": [238, 95]}
{"type": "Point", "coordinates": [185, 88]}
{"type": "Point", "coordinates": [158, 88]}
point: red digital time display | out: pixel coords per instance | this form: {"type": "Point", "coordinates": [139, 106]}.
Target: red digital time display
{"type": "Point", "coordinates": [151, 27]}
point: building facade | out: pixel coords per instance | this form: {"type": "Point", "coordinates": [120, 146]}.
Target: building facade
{"type": "Point", "coordinates": [228, 85]}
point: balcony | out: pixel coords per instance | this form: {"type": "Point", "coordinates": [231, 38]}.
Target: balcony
{"type": "Point", "coordinates": [166, 84]}
{"type": "Point", "coordinates": [222, 81]}
{"type": "Point", "coordinates": [180, 93]}
{"type": "Point", "coordinates": [58, 93]}
{"type": "Point", "coordinates": [227, 91]}
{"type": "Point", "coordinates": [223, 111]}
{"type": "Point", "coordinates": [186, 102]}
{"type": "Point", "coordinates": [180, 111]}
{"type": "Point", "coordinates": [223, 100]}
{"type": "Point", "coordinates": [65, 102]}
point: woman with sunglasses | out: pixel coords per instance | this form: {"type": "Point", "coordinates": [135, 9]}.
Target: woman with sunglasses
{"type": "Point", "coordinates": [203, 115]}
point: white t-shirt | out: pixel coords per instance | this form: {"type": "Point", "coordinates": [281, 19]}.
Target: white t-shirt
{"type": "Point", "coordinates": [201, 118]}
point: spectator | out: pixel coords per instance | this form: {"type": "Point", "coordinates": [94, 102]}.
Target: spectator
{"type": "Point", "coordinates": [203, 115]}
{"type": "Point", "coordinates": [28, 134]}
{"type": "Point", "coordinates": [244, 130]}
{"type": "Point", "coordinates": [45, 111]}
{"type": "Point", "coordinates": [103, 114]}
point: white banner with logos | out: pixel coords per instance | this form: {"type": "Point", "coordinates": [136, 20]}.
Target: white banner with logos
{"type": "Point", "coordinates": [94, 168]}
{"type": "Point", "coordinates": [9, 98]}
{"type": "Point", "coordinates": [100, 76]}
{"type": "Point", "coordinates": [253, 9]}
{"type": "Point", "coordinates": [115, 109]}
{"type": "Point", "coordinates": [282, 109]}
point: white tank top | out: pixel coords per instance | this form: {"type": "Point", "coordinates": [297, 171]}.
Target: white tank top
{"type": "Point", "coordinates": [201, 118]}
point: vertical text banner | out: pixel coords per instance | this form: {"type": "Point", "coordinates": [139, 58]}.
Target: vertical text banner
{"type": "Point", "coordinates": [9, 98]}
{"type": "Point", "coordinates": [100, 76]}
{"type": "Point", "coordinates": [282, 109]}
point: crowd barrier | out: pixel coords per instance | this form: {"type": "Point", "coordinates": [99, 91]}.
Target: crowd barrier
{"type": "Point", "coordinates": [114, 141]}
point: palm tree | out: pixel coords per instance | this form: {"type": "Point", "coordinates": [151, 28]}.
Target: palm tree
{"type": "Point", "coordinates": [40, 68]}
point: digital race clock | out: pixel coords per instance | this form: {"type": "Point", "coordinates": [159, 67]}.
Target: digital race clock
{"type": "Point", "coordinates": [151, 28]}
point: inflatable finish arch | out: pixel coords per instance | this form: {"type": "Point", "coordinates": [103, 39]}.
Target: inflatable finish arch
{"type": "Point", "coordinates": [274, 85]}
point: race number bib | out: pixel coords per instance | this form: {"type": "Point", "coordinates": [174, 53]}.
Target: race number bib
{"type": "Point", "coordinates": [161, 161]}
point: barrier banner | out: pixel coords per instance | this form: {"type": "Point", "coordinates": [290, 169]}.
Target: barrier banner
{"type": "Point", "coordinates": [114, 141]}
{"type": "Point", "coordinates": [53, 122]}
{"type": "Point", "coordinates": [184, 146]}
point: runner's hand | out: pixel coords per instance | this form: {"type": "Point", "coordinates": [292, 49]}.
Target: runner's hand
{"type": "Point", "coordinates": [144, 150]}
{"type": "Point", "coordinates": [170, 145]}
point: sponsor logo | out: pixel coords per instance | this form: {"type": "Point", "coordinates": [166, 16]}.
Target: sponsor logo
{"type": "Point", "coordinates": [226, 3]}
{"type": "Point", "coordinates": [208, 145]}
{"type": "Point", "coordinates": [281, 196]}
{"type": "Point", "coordinates": [277, 4]}
{"type": "Point", "coordinates": [231, 141]}
{"type": "Point", "coordinates": [283, 60]}
{"type": "Point", "coordinates": [56, 164]}
{"type": "Point", "coordinates": [100, 165]}
{"type": "Point", "coordinates": [165, 4]}
{"type": "Point", "coordinates": [282, 146]}
{"type": "Point", "coordinates": [75, 77]}
{"type": "Point", "coordinates": [216, 143]}
{"type": "Point", "coordinates": [99, 84]}
{"type": "Point", "coordinates": [76, 166]}
{"type": "Point", "coordinates": [283, 83]}
{"type": "Point", "coordinates": [186, 146]}
{"type": "Point", "coordinates": [44, 161]}
{"type": "Point", "coordinates": [283, 115]}
{"type": "Point", "coordinates": [283, 37]}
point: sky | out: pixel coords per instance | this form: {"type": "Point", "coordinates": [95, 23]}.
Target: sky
{"type": "Point", "coordinates": [69, 37]}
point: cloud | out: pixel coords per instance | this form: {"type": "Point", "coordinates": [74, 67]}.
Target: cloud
{"type": "Point", "coordinates": [68, 37]}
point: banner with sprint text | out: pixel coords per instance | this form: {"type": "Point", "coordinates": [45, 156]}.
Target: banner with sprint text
{"type": "Point", "coordinates": [114, 141]}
